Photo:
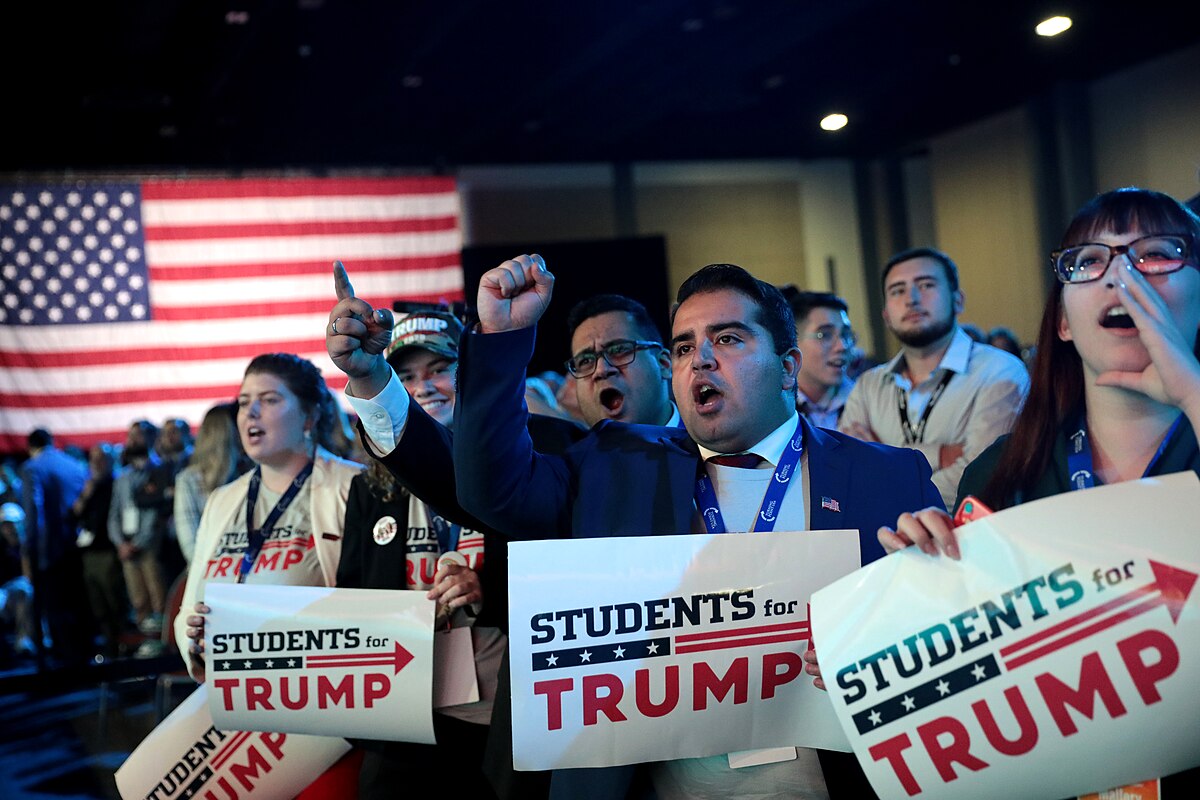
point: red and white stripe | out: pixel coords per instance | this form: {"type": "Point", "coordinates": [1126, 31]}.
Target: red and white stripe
{"type": "Point", "coordinates": [237, 268]}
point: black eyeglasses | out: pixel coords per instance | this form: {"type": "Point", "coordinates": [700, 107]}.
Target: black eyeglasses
{"type": "Point", "coordinates": [617, 353]}
{"type": "Point", "coordinates": [1159, 254]}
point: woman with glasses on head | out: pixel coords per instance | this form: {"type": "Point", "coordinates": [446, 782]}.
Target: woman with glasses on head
{"type": "Point", "coordinates": [1116, 370]}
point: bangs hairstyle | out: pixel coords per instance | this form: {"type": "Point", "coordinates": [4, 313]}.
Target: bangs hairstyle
{"type": "Point", "coordinates": [1130, 209]}
{"type": "Point", "coordinates": [305, 381]}
{"type": "Point", "coordinates": [1056, 378]}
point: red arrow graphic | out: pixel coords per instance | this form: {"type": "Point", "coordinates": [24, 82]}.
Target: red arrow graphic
{"type": "Point", "coordinates": [399, 656]}
{"type": "Point", "coordinates": [1176, 584]}
{"type": "Point", "coordinates": [1170, 588]}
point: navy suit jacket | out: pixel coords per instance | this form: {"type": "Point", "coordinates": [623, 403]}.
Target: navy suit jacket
{"type": "Point", "coordinates": [634, 480]}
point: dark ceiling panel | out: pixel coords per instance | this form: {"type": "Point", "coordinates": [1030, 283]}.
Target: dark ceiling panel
{"type": "Point", "coordinates": [150, 84]}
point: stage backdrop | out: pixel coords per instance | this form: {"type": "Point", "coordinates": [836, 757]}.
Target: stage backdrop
{"type": "Point", "coordinates": [129, 300]}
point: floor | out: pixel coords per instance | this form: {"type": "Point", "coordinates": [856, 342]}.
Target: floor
{"type": "Point", "coordinates": [67, 744]}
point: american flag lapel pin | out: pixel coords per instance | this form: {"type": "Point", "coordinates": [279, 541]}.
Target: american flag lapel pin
{"type": "Point", "coordinates": [831, 504]}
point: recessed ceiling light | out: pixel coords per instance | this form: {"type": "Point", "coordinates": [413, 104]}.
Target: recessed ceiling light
{"type": "Point", "coordinates": [1053, 26]}
{"type": "Point", "coordinates": [834, 122]}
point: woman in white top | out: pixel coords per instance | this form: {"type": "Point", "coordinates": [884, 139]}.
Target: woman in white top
{"type": "Point", "coordinates": [297, 489]}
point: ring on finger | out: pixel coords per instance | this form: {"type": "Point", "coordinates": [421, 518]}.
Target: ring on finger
{"type": "Point", "coordinates": [333, 327]}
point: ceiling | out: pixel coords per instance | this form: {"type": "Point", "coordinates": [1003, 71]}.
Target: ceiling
{"type": "Point", "coordinates": [154, 84]}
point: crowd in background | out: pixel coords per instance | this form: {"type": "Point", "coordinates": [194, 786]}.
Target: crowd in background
{"type": "Point", "coordinates": [130, 510]}
{"type": "Point", "coordinates": [97, 546]}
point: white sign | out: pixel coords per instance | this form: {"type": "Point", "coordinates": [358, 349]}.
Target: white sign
{"type": "Point", "coordinates": [1061, 655]}
{"type": "Point", "coordinates": [346, 662]}
{"type": "Point", "coordinates": [647, 648]}
{"type": "Point", "coordinates": [188, 757]}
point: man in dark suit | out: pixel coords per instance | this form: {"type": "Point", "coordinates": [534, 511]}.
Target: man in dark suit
{"type": "Point", "coordinates": [734, 363]}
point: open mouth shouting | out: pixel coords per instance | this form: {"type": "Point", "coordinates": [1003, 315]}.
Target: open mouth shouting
{"type": "Point", "coordinates": [1117, 317]}
{"type": "Point", "coordinates": [612, 400]}
{"type": "Point", "coordinates": [706, 398]}
{"type": "Point", "coordinates": [254, 435]}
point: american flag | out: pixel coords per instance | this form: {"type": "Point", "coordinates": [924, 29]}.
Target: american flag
{"type": "Point", "coordinates": [124, 300]}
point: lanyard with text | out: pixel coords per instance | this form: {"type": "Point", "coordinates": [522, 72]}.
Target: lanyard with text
{"type": "Point", "coordinates": [710, 509]}
{"type": "Point", "coordinates": [917, 435]}
{"type": "Point", "coordinates": [255, 538]}
{"type": "Point", "coordinates": [1079, 454]}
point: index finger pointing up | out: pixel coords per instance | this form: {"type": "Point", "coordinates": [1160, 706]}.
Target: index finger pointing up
{"type": "Point", "coordinates": [341, 282]}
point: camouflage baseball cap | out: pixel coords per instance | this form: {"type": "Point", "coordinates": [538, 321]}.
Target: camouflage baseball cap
{"type": "Point", "coordinates": [436, 331]}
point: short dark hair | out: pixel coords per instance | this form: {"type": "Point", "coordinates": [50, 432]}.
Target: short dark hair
{"type": "Point", "coordinates": [599, 304]}
{"type": "Point", "coordinates": [803, 302]}
{"type": "Point", "coordinates": [948, 265]}
{"type": "Point", "coordinates": [39, 438]}
{"type": "Point", "coordinates": [774, 313]}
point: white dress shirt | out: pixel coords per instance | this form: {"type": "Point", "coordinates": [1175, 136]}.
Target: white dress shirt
{"type": "Point", "coordinates": [979, 404]}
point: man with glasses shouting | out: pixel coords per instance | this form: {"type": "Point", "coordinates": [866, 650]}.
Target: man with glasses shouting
{"type": "Point", "coordinates": [942, 394]}
{"type": "Point", "coordinates": [619, 365]}
{"type": "Point", "coordinates": [826, 343]}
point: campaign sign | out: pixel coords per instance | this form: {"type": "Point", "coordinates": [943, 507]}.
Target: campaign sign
{"type": "Point", "coordinates": [188, 758]}
{"type": "Point", "coordinates": [344, 662]}
{"type": "Point", "coordinates": [1061, 655]}
{"type": "Point", "coordinates": [662, 647]}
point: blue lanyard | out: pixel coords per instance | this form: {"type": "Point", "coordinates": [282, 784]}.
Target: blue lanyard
{"type": "Point", "coordinates": [768, 512]}
{"type": "Point", "coordinates": [447, 534]}
{"type": "Point", "coordinates": [1080, 468]}
{"type": "Point", "coordinates": [256, 538]}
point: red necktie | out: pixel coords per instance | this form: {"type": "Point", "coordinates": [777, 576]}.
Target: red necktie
{"type": "Point", "coordinates": [740, 460]}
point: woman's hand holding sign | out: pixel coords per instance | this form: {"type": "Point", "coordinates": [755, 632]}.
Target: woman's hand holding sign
{"type": "Point", "coordinates": [195, 632]}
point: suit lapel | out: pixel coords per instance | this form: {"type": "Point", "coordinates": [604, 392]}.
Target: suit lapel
{"type": "Point", "coordinates": [682, 460]}
{"type": "Point", "coordinates": [828, 481]}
